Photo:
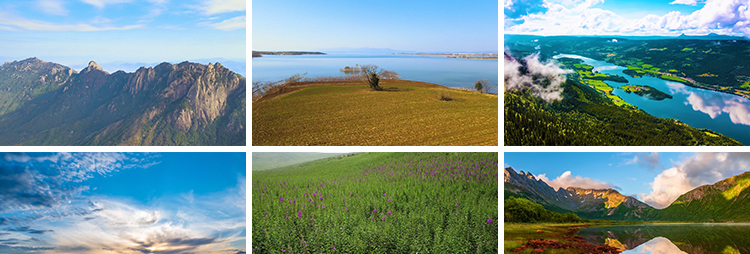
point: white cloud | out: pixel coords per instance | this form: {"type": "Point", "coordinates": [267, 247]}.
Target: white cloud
{"type": "Point", "coordinates": [700, 169]}
{"type": "Point", "coordinates": [230, 24]}
{"type": "Point", "coordinates": [19, 23]}
{"type": "Point", "coordinates": [568, 180]}
{"type": "Point", "coordinates": [54, 7]}
{"type": "Point", "coordinates": [717, 16]}
{"type": "Point", "coordinates": [211, 7]}
{"type": "Point", "coordinates": [647, 160]}
{"type": "Point", "coordinates": [102, 3]}
{"type": "Point", "coordinates": [686, 2]}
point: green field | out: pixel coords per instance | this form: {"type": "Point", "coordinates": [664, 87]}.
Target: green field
{"type": "Point", "coordinates": [349, 113]}
{"type": "Point", "coordinates": [379, 203]}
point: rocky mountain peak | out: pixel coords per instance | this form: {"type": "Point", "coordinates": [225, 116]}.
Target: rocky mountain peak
{"type": "Point", "coordinates": [93, 66]}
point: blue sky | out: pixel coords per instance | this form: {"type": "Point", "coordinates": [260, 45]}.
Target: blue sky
{"type": "Point", "coordinates": [627, 17]}
{"type": "Point", "coordinates": [424, 26]}
{"type": "Point", "coordinates": [132, 203]}
{"type": "Point", "coordinates": [111, 32]}
{"type": "Point", "coordinates": [655, 178]}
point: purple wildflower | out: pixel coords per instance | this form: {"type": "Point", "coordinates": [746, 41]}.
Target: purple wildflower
{"type": "Point", "coordinates": [282, 250]}
{"type": "Point", "coordinates": [299, 214]}
{"type": "Point", "coordinates": [324, 206]}
{"type": "Point", "coordinates": [281, 198]}
{"type": "Point", "coordinates": [389, 212]}
{"type": "Point", "coordinates": [389, 200]}
{"type": "Point", "coordinates": [303, 242]}
{"type": "Point", "coordinates": [321, 198]}
{"type": "Point", "coordinates": [312, 219]}
{"type": "Point", "coordinates": [374, 210]}
{"type": "Point", "coordinates": [489, 220]}
{"type": "Point", "coordinates": [334, 248]}
{"type": "Point", "coordinates": [456, 204]}
{"type": "Point", "coordinates": [346, 208]}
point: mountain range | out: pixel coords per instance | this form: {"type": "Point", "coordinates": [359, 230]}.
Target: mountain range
{"type": "Point", "coordinates": [726, 200]}
{"type": "Point", "coordinates": [44, 103]}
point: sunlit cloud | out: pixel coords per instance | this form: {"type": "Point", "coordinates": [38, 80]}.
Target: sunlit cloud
{"type": "Point", "coordinates": [45, 209]}
{"type": "Point", "coordinates": [17, 23]}
{"type": "Point", "coordinates": [700, 169]}
{"type": "Point", "coordinates": [568, 180]}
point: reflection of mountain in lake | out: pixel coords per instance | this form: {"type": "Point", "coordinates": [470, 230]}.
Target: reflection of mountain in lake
{"type": "Point", "coordinates": [661, 238]}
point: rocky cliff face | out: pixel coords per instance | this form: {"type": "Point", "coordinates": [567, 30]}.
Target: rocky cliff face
{"type": "Point", "coordinates": [587, 203]}
{"type": "Point", "coordinates": [182, 104]}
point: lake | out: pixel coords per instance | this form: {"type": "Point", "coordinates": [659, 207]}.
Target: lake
{"type": "Point", "coordinates": [451, 72]}
{"type": "Point", "coordinates": [673, 237]}
{"type": "Point", "coordinates": [725, 113]}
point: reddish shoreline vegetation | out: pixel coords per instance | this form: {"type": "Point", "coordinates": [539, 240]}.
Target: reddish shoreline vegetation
{"type": "Point", "coordinates": [350, 110]}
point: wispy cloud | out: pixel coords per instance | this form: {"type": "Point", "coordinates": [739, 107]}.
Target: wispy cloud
{"type": "Point", "coordinates": [685, 2]}
{"type": "Point", "coordinates": [211, 7]}
{"type": "Point", "coordinates": [103, 3]}
{"type": "Point", "coordinates": [54, 7]}
{"type": "Point", "coordinates": [43, 208]}
{"type": "Point", "coordinates": [230, 24]}
{"type": "Point", "coordinates": [647, 160]}
{"type": "Point", "coordinates": [17, 23]}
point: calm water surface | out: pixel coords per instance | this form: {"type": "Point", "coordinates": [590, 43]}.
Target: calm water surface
{"type": "Point", "coordinates": [721, 112]}
{"type": "Point", "coordinates": [673, 238]}
{"type": "Point", "coordinates": [449, 72]}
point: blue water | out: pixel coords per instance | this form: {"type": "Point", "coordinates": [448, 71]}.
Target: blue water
{"type": "Point", "coordinates": [449, 72]}
{"type": "Point", "coordinates": [724, 113]}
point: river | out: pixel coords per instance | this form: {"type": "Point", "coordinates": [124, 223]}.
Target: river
{"type": "Point", "coordinates": [451, 72]}
{"type": "Point", "coordinates": [725, 113]}
{"type": "Point", "coordinates": [673, 237]}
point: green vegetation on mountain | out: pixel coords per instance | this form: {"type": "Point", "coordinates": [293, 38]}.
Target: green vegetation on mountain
{"type": "Point", "coordinates": [646, 91]}
{"type": "Point", "coordinates": [183, 104]}
{"type": "Point", "coordinates": [726, 200]}
{"type": "Point", "coordinates": [523, 210]}
{"type": "Point", "coordinates": [584, 117]}
{"type": "Point", "coordinates": [721, 65]}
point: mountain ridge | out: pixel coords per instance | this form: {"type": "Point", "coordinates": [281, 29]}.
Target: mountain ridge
{"type": "Point", "coordinates": [724, 201]}
{"type": "Point", "coordinates": [182, 104]}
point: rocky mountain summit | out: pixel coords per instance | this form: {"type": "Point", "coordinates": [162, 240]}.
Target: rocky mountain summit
{"type": "Point", "coordinates": [587, 203]}
{"type": "Point", "coordinates": [169, 104]}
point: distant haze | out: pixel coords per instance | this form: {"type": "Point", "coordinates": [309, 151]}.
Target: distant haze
{"type": "Point", "coordinates": [422, 26]}
{"type": "Point", "coordinates": [265, 161]}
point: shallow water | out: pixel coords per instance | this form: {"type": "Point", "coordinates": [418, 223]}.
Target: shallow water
{"type": "Point", "coordinates": [449, 72]}
{"type": "Point", "coordinates": [721, 112]}
{"type": "Point", "coordinates": [673, 238]}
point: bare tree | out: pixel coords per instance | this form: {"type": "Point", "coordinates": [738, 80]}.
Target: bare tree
{"type": "Point", "coordinates": [483, 86]}
{"type": "Point", "coordinates": [372, 73]}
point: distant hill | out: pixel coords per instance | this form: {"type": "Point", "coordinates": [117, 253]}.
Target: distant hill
{"type": "Point", "coordinates": [44, 103]}
{"type": "Point", "coordinates": [266, 161]}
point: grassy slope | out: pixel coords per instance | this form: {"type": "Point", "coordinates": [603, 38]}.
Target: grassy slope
{"type": "Point", "coordinates": [584, 117]}
{"type": "Point", "coordinates": [419, 222]}
{"type": "Point", "coordinates": [348, 113]}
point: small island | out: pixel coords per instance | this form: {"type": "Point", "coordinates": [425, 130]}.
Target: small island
{"type": "Point", "coordinates": [646, 91]}
{"type": "Point", "coordinates": [285, 53]}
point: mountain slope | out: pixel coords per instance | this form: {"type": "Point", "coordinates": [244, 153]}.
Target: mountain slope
{"type": "Point", "coordinates": [726, 200]}
{"type": "Point", "coordinates": [584, 117]}
{"type": "Point", "coordinates": [587, 203]}
{"type": "Point", "coordinates": [182, 104]}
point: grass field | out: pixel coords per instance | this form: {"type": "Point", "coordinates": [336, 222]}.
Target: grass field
{"type": "Point", "coordinates": [379, 203]}
{"type": "Point", "coordinates": [349, 113]}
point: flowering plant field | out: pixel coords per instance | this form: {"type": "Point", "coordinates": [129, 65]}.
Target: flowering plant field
{"type": "Point", "coordinates": [379, 203]}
